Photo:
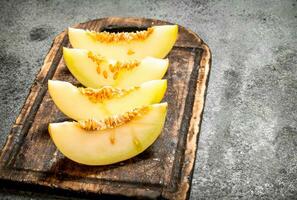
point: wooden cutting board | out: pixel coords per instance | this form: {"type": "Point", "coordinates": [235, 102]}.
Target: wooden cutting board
{"type": "Point", "coordinates": [30, 159]}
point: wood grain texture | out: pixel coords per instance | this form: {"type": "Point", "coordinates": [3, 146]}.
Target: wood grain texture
{"type": "Point", "coordinates": [163, 171]}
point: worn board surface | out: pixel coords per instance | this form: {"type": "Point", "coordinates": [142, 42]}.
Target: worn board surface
{"type": "Point", "coordinates": [162, 171]}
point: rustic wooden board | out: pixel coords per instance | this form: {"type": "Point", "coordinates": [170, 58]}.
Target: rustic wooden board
{"type": "Point", "coordinates": [162, 171]}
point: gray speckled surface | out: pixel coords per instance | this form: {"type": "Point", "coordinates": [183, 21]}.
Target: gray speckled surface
{"type": "Point", "coordinates": [248, 142]}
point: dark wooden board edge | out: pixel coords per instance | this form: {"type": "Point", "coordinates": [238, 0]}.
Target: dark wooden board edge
{"type": "Point", "coordinates": [195, 124]}
{"type": "Point", "coordinates": [184, 186]}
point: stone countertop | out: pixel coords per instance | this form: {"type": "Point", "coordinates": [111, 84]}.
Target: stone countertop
{"type": "Point", "coordinates": [248, 140]}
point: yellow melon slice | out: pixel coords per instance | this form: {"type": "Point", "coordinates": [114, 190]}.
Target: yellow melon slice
{"type": "Point", "coordinates": [156, 41]}
{"type": "Point", "coordinates": [95, 71]}
{"type": "Point", "coordinates": [102, 143]}
{"type": "Point", "coordinates": [86, 103]}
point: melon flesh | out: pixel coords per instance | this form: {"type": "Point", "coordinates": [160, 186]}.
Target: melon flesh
{"type": "Point", "coordinates": [157, 44]}
{"type": "Point", "coordinates": [84, 70]}
{"type": "Point", "coordinates": [111, 145]}
{"type": "Point", "coordinates": [78, 106]}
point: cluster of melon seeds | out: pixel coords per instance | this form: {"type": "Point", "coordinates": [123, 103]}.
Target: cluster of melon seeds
{"type": "Point", "coordinates": [121, 66]}
{"type": "Point", "coordinates": [98, 59]}
{"type": "Point", "coordinates": [107, 37]}
{"type": "Point", "coordinates": [114, 121]}
{"type": "Point", "coordinates": [106, 92]}
{"type": "Point", "coordinates": [114, 68]}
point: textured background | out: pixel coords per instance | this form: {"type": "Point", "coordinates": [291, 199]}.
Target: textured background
{"type": "Point", "coordinates": [248, 142]}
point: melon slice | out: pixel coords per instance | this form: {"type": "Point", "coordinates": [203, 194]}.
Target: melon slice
{"type": "Point", "coordinates": [156, 41]}
{"type": "Point", "coordinates": [95, 143]}
{"type": "Point", "coordinates": [93, 70]}
{"type": "Point", "coordinates": [87, 103]}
